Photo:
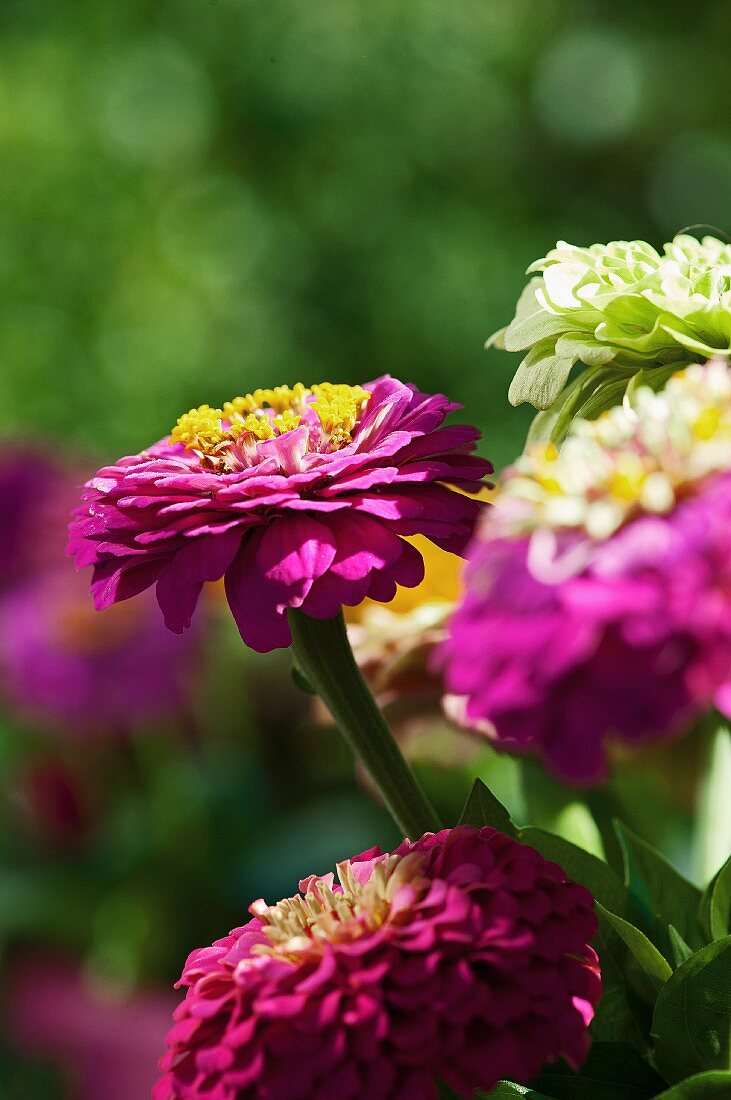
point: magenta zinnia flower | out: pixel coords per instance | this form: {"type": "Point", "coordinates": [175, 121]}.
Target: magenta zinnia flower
{"type": "Point", "coordinates": [463, 957]}
{"type": "Point", "coordinates": [82, 673]}
{"type": "Point", "coordinates": [298, 497]}
{"type": "Point", "coordinates": [598, 592]}
{"type": "Point", "coordinates": [35, 496]}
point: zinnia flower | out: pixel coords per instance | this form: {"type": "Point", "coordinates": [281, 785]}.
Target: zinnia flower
{"type": "Point", "coordinates": [598, 596]}
{"type": "Point", "coordinates": [299, 497]}
{"type": "Point", "coordinates": [82, 673]}
{"type": "Point", "coordinates": [619, 308]}
{"type": "Point", "coordinates": [463, 956]}
{"type": "Point", "coordinates": [35, 497]}
{"type": "Point", "coordinates": [104, 1039]}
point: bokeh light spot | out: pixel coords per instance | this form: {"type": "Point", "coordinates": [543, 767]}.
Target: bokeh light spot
{"type": "Point", "coordinates": [589, 86]}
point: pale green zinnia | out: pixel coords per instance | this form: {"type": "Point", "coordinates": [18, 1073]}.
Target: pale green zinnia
{"type": "Point", "coordinates": [619, 309]}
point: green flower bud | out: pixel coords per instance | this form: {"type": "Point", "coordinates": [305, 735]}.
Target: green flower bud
{"type": "Point", "coordinates": [620, 309]}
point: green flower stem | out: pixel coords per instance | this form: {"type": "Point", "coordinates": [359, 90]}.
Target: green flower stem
{"type": "Point", "coordinates": [324, 657]}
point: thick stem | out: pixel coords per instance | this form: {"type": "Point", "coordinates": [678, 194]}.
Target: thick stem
{"type": "Point", "coordinates": [323, 655]}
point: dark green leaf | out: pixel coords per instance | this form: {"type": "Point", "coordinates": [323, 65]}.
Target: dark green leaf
{"type": "Point", "coordinates": [692, 1021]}
{"type": "Point", "coordinates": [621, 1016]}
{"type": "Point", "coordinates": [715, 1082]}
{"type": "Point", "coordinates": [580, 866]}
{"type": "Point", "coordinates": [680, 950]}
{"type": "Point", "coordinates": [658, 894]}
{"type": "Point", "coordinates": [482, 808]}
{"type": "Point", "coordinates": [652, 963]}
{"type": "Point", "coordinates": [612, 1071]}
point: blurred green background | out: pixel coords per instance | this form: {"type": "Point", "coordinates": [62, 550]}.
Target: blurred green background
{"type": "Point", "coordinates": [198, 198]}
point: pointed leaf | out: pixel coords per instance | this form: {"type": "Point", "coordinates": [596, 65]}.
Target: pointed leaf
{"type": "Point", "coordinates": [719, 911]}
{"type": "Point", "coordinates": [692, 1021]}
{"type": "Point", "coordinates": [580, 866]}
{"type": "Point", "coordinates": [680, 950]}
{"type": "Point", "coordinates": [482, 808]}
{"type": "Point", "coordinates": [652, 963]}
{"type": "Point", "coordinates": [715, 1082]}
{"type": "Point", "coordinates": [620, 1015]}
{"type": "Point", "coordinates": [657, 891]}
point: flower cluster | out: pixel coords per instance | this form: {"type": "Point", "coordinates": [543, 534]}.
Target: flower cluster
{"type": "Point", "coordinates": [623, 305]}
{"type": "Point", "coordinates": [299, 497]}
{"type": "Point", "coordinates": [463, 956]}
{"type": "Point", "coordinates": [597, 593]}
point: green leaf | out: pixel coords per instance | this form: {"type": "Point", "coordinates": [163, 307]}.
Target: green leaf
{"type": "Point", "coordinates": [579, 392]}
{"type": "Point", "coordinates": [652, 963]}
{"type": "Point", "coordinates": [580, 866]}
{"type": "Point", "coordinates": [612, 1071]}
{"type": "Point", "coordinates": [719, 908]}
{"type": "Point", "coordinates": [713, 1083]}
{"type": "Point", "coordinates": [657, 892]}
{"type": "Point", "coordinates": [482, 808]}
{"type": "Point", "coordinates": [540, 378]}
{"type": "Point", "coordinates": [620, 1014]}
{"type": "Point", "coordinates": [692, 1021]}
{"type": "Point", "coordinates": [680, 950]}
{"type": "Point", "coordinates": [604, 397]}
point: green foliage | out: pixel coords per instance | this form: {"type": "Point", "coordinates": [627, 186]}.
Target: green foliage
{"type": "Point", "coordinates": [713, 1083]}
{"type": "Point", "coordinates": [691, 1026]}
{"type": "Point", "coordinates": [482, 808]}
{"type": "Point", "coordinates": [715, 906]}
{"type": "Point", "coordinates": [665, 1005]}
{"type": "Point", "coordinates": [651, 962]}
{"type": "Point", "coordinates": [658, 894]}
{"type": "Point", "coordinates": [612, 1071]}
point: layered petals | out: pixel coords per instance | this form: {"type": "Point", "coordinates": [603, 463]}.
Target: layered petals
{"type": "Point", "coordinates": [463, 957]}
{"type": "Point", "coordinates": [296, 519]}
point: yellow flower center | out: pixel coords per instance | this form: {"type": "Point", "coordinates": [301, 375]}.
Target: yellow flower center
{"type": "Point", "coordinates": [332, 408]}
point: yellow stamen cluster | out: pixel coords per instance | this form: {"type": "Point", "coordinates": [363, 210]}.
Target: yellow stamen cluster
{"type": "Point", "coordinates": [200, 429]}
{"type": "Point", "coordinates": [636, 457]}
{"type": "Point", "coordinates": [338, 408]}
{"type": "Point", "coordinates": [209, 431]}
{"type": "Point", "coordinates": [303, 923]}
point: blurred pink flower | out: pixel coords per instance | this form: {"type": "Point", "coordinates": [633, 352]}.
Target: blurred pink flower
{"type": "Point", "coordinates": [109, 1045]}
{"type": "Point", "coordinates": [463, 956]}
{"type": "Point", "coordinates": [68, 668]}
{"type": "Point", "coordinates": [35, 496]}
